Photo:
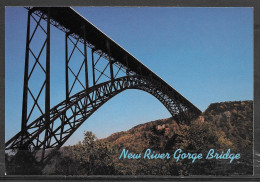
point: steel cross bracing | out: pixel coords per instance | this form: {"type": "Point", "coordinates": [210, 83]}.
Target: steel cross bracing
{"type": "Point", "coordinates": [68, 116]}
{"type": "Point", "coordinates": [55, 125]}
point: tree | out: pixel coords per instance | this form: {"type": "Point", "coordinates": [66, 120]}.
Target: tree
{"type": "Point", "coordinates": [93, 156]}
{"type": "Point", "coordinates": [23, 163]}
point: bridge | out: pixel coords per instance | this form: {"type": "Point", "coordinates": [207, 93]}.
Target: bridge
{"type": "Point", "coordinates": [122, 71]}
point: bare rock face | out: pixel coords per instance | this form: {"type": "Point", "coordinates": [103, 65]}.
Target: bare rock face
{"type": "Point", "coordinates": [160, 127]}
{"type": "Point", "coordinates": [201, 119]}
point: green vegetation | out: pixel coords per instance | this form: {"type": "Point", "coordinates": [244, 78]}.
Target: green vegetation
{"type": "Point", "coordinates": [226, 125]}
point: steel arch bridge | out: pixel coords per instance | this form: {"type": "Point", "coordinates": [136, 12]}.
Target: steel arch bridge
{"type": "Point", "coordinates": [121, 71]}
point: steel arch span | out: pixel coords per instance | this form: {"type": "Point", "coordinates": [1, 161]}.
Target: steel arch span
{"type": "Point", "coordinates": [67, 116]}
{"type": "Point", "coordinates": [121, 71]}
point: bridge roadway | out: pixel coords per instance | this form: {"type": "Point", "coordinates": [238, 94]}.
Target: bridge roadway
{"type": "Point", "coordinates": [68, 115]}
{"type": "Point", "coordinates": [68, 20]}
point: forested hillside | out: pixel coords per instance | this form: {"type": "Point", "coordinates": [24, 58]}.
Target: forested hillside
{"type": "Point", "coordinates": [223, 126]}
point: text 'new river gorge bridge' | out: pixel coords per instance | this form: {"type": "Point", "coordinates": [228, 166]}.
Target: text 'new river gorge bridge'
{"type": "Point", "coordinates": [120, 71]}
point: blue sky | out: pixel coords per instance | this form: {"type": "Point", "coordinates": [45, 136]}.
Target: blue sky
{"type": "Point", "coordinates": [206, 54]}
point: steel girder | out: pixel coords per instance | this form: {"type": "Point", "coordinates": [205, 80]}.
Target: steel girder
{"type": "Point", "coordinates": [66, 117]}
{"type": "Point", "coordinates": [55, 125]}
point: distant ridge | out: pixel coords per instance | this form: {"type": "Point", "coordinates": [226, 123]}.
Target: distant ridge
{"type": "Point", "coordinates": [225, 115]}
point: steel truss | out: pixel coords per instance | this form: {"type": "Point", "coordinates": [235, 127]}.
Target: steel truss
{"type": "Point", "coordinates": [55, 125]}
{"type": "Point", "coordinates": [67, 118]}
{"type": "Point", "coordinates": [28, 73]}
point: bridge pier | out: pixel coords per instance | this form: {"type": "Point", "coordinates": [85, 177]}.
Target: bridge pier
{"type": "Point", "coordinates": [93, 67]}
{"type": "Point", "coordinates": [110, 62]}
{"type": "Point", "coordinates": [25, 84]}
{"type": "Point", "coordinates": [66, 67]}
{"type": "Point", "coordinates": [47, 86]}
{"type": "Point", "coordinates": [86, 58]}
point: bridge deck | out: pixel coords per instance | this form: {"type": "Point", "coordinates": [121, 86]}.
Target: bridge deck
{"type": "Point", "coordinates": [70, 19]}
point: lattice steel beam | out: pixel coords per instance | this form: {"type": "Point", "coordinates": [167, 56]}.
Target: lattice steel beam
{"type": "Point", "coordinates": [73, 115]}
{"type": "Point", "coordinates": [55, 125]}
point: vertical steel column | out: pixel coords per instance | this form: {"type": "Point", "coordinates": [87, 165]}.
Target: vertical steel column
{"type": "Point", "coordinates": [47, 90]}
{"type": "Point", "coordinates": [85, 59]}
{"type": "Point", "coordinates": [25, 84]}
{"type": "Point", "coordinates": [93, 67]}
{"type": "Point", "coordinates": [110, 63]}
{"type": "Point", "coordinates": [66, 66]}
{"type": "Point", "coordinates": [47, 93]}
{"type": "Point", "coordinates": [139, 69]}
{"type": "Point", "coordinates": [111, 69]}
{"type": "Point", "coordinates": [127, 69]}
